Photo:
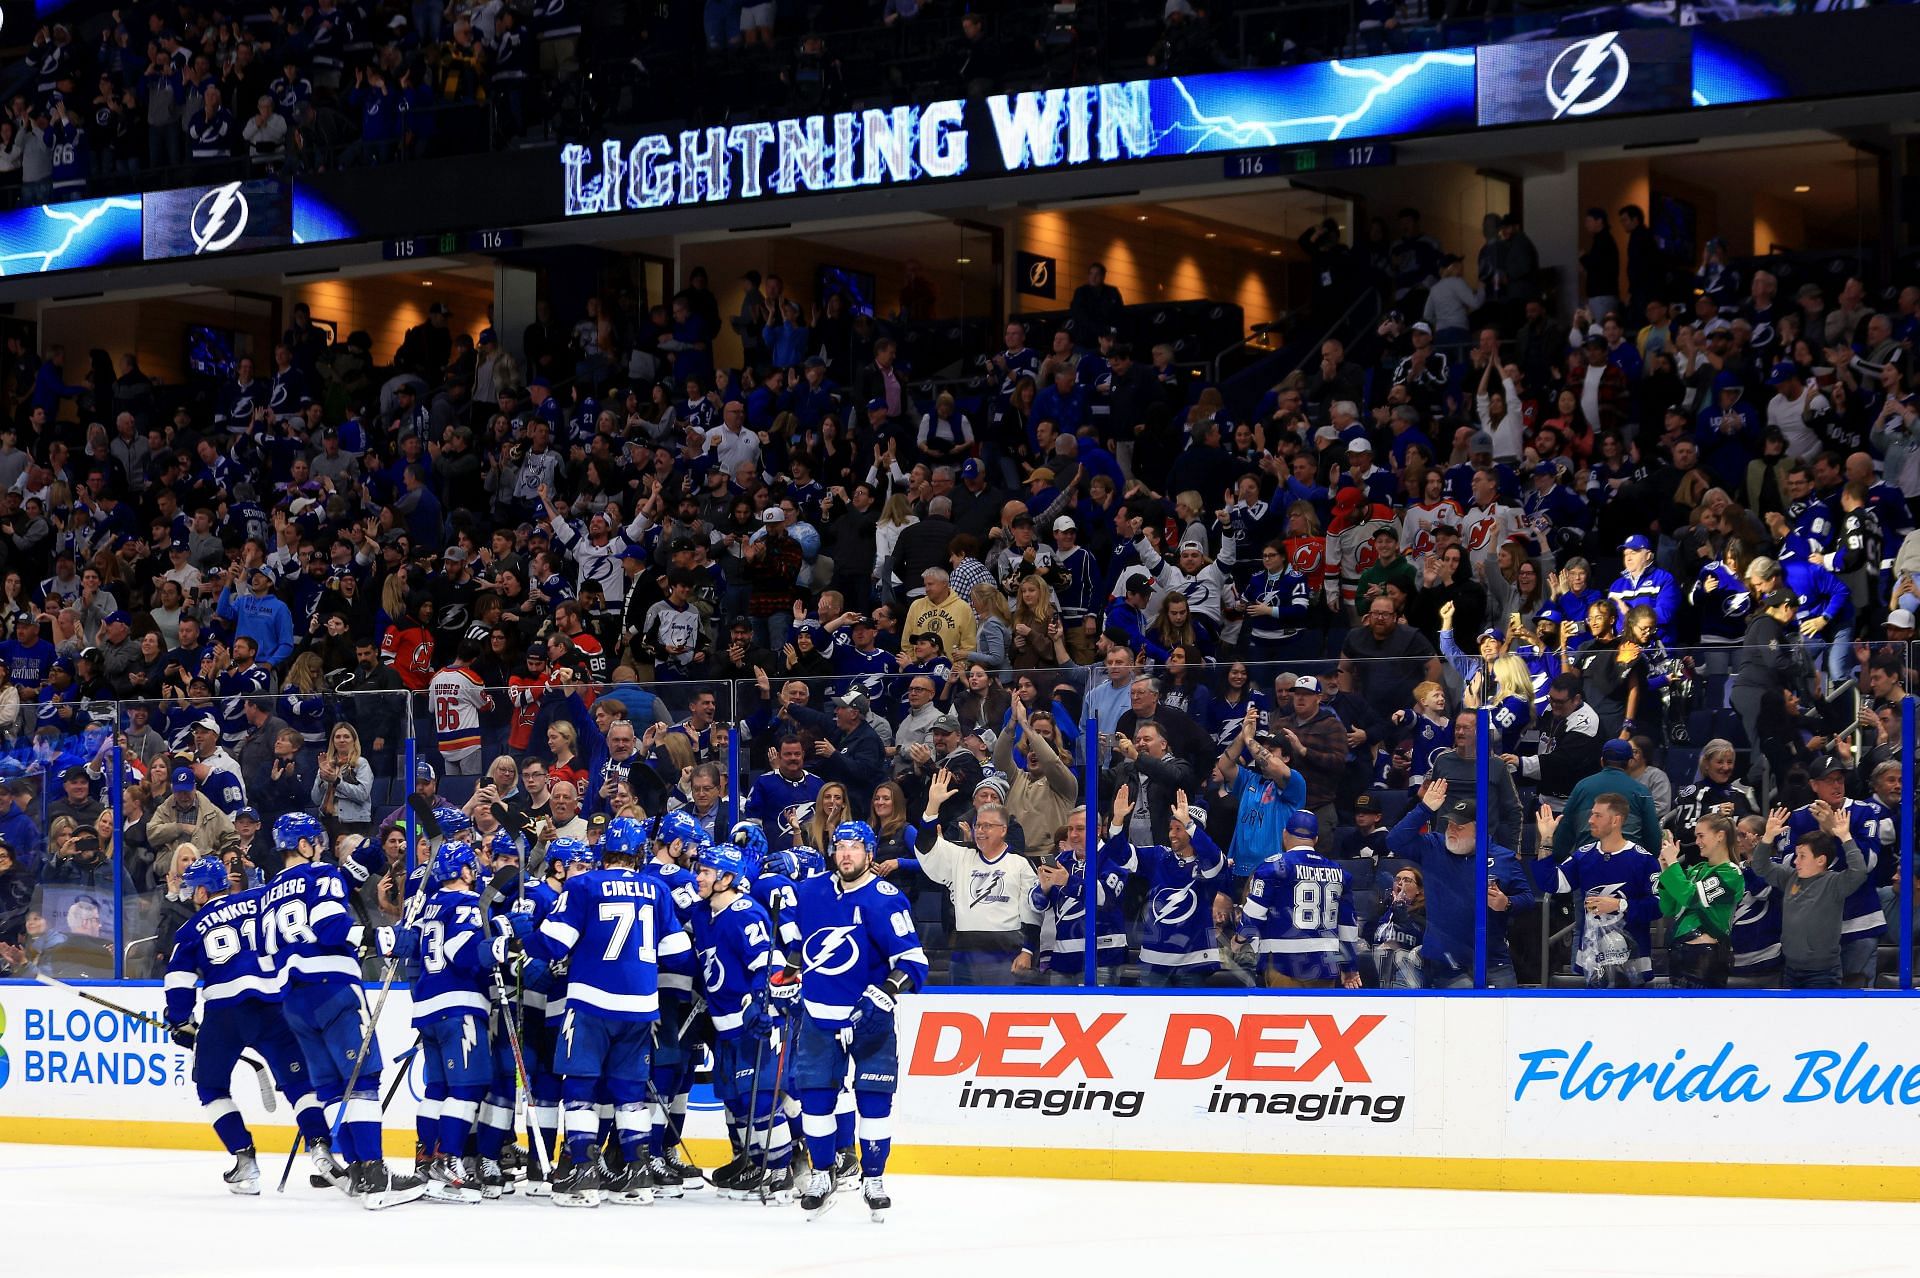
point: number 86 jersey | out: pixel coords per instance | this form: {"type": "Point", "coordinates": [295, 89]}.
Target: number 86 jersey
{"type": "Point", "coordinates": [1300, 906]}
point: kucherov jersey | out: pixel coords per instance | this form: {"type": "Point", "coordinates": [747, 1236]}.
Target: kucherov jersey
{"type": "Point", "coordinates": [304, 925]}
{"type": "Point", "coordinates": [735, 949]}
{"type": "Point", "coordinates": [1300, 909]}
{"type": "Point", "coordinates": [455, 958]}
{"type": "Point", "coordinates": [219, 950]}
{"type": "Point", "coordinates": [775, 894]}
{"type": "Point", "coordinates": [1179, 931]}
{"type": "Point", "coordinates": [613, 927]}
{"type": "Point", "coordinates": [852, 939]}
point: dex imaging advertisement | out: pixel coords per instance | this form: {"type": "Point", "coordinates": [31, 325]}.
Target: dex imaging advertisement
{"type": "Point", "coordinates": [229, 218]}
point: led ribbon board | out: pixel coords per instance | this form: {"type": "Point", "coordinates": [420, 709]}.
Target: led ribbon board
{"type": "Point", "coordinates": [1026, 132]}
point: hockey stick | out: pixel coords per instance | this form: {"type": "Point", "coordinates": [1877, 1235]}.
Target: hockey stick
{"type": "Point", "coordinates": [779, 1096]}
{"type": "Point", "coordinates": [520, 1068]}
{"type": "Point", "coordinates": [259, 1067]}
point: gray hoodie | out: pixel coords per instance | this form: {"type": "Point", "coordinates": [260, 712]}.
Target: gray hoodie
{"type": "Point", "coordinates": [1811, 909]}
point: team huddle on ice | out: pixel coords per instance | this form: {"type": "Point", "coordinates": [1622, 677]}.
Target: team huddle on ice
{"type": "Point", "coordinates": [585, 993]}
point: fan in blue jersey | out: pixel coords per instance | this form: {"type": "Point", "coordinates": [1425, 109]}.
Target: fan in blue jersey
{"type": "Point", "coordinates": [1178, 944]}
{"type": "Point", "coordinates": [1457, 889]}
{"type": "Point", "coordinates": [614, 926]}
{"type": "Point", "coordinates": [1298, 914]}
{"type": "Point", "coordinates": [1613, 942]}
{"type": "Point", "coordinates": [456, 961]}
{"type": "Point", "coordinates": [217, 949]}
{"type": "Point", "coordinates": [733, 937]}
{"type": "Point", "coordinates": [860, 953]}
{"type": "Point", "coordinates": [305, 939]}
{"type": "Point", "coordinates": [1062, 892]}
{"type": "Point", "coordinates": [678, 839]}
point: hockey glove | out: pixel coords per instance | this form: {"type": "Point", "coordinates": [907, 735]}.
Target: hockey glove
{"type": "Point", "coordinates": [880, 999]}
{"type": "Point", "coordinates": [522, 925]}
{"type": "Point", "coordinates": [533, 971]}
{"type": "Point", "coordinates": [183, 1035]}
{"type": "Point", "coordinates": [784, 987]}
{"type": "Point", "coordinates": [502, 949]}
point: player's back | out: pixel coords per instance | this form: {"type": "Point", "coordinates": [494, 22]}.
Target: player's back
{"type": "Point", "coordinates": [679, 973]}
{"type": "Point", "coordinates": [547, 995]}
{"type": "Point", "coordinates": [303, 926]}
{"type": "Point", "coordinates": [218, 948]}
{"type": "Point", "coordinates": [453, 976]}
{"type": "Point", "coordinates": [1308, 914]}
{"type": "Point", "coordinates": [615, 926]}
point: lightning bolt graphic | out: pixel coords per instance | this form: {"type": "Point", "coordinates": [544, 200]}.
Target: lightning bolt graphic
{"type": "Point", "coordinates": [1584, 69]}
{"type": "Point", "coordinates": [1238, 133]}
{"type": "Point", "coordinates": [79, 223]}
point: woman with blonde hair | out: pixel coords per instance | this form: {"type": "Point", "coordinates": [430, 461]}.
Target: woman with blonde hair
{"type": "Point", "coordinates": [830, 808]}
{"type": "Point", "coordinates": [566, 764]}
{"type": "Point", "coordinates": [1494, 676]}
{"type": "Point", "coordinates": [303, 700]}
{"type": "Point", "coordinates": [343, 784]}
{"type": "Point", "coordinates": [896, 515]}
{"type": "Point", "coordinates": [1033, 618]}
{"type": "Point", "coordinates": [175, 907]}
{"type": "Point", "coordinates": [992, 635]}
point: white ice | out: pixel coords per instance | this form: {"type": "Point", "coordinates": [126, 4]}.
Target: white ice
{"type": "Point", "coordinates": [148, 1212]}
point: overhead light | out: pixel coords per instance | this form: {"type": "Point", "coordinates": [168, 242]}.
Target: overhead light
{"type": "Point", "coordinates": [1212, 235]}
{"type": "Point", "coordinates": [426, 283]}
{"type": "Point", "coordinates": [1273, 252]}
{"type": "Point", "coordinates": [1802, 189]}
{"type": "Point", "coordinates": [1140, 218]}
{"type": "Point", "coordinates": [963, 261]}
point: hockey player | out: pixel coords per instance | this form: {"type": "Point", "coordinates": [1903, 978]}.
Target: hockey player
{"type": "Point", "coordinates": [543, 1002]}
{"type": "Point", "coordinates": [1299, 913]}
{"type": "Point", "coordinates": [1178, 946]}
{"type": "Point", "coordinates": [678, 840]}
{"type": "Point", "coordinates": [304, 929]}
{"type": "Point", "coordinates": [732, 935]}
{"type": "Point", "coordinates": [239, 1009]}
{"type": "Point", "coordinates": [456, 960]}
{"type": "Point", "coordinates": [613, 925]}
{"type": "Point", "coordinates": [860, 953]}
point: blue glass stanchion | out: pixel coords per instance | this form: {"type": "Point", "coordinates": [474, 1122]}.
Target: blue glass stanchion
{"type": "Point", "coordinates": [1907, 771]}
{"type": "Point", "coordinates": [1482, 835]}
{"type": "Point", "coordinates": [731, 809]}
{"type": "Point", "coordinates": [1090, 879]}
{"type": "Point", "coordinates": [118, 799]}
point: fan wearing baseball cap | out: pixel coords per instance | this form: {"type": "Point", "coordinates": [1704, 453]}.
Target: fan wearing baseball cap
{"type": "Point", "coordinates": [1643, 583]}
{"type": "Point", "coordinates": [1299, 914]}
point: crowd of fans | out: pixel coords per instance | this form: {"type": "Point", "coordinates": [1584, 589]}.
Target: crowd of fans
{"type": "Point", "coordinates": [99, 101]}
{"type": "Point", "coordinates": [1659, 536]}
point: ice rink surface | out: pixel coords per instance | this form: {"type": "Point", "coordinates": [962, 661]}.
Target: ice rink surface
{"type": "Point", "coordinates": [139, 1212]}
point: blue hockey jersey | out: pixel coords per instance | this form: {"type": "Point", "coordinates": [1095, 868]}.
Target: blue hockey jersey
{"type": "Point", "coordinates": [613, 927]}
{"type": "Point", "coordinates": [455, 957]}
{"type": "Point", "coordinates": [1627, 875]}
{"type": "Point", "coordinates": [304, 925]}
{"type": "Point", "coordinates": [547, 996]}
{"type": "Point", "coordinates": [852, 939]}
{"type": "Point", "coordinates": [735, 949]}
{"type": "Point", "coordinates": [1300, 912]}
{"type": "Point", "coordinates": [679, 972]}
{"type": "Point", "coordinates": [1068, 905]}
{"type": "Point", "coordinates": [773, 800]}
{"type": "Point", "coordinates": [218, 949]}
{"type": "Point", "coordinates": [1178, 933]}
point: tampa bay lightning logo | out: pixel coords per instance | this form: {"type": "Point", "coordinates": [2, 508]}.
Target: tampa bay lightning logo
{"type": "Point", "coordinates": [1173, 905]}
{"type": "Point", "coordinates": [1070, 908]}
{"type": "Point", "coordinates": [1587, 76]}
{"type": "Point", "coordinates": [219, 219]}
{"type": "Point", "coordinates": [831, 950]}
{"type": "Point", "coordinates": [712, 970]}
